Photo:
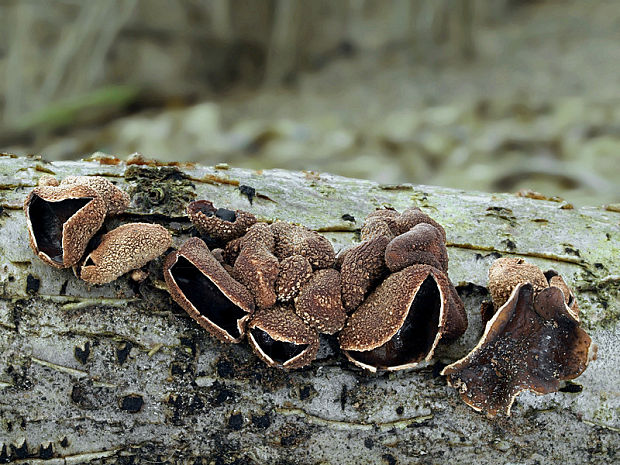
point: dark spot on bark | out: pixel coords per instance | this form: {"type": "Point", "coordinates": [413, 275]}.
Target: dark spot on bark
{"type": "Point", "coordinates": [343, 397]}
{"type": "Point", "coordinates": [400, 410]}
{"type": "Point", "coordinates": [571, 388]}
{"type": "Point", "coordinates": [599, 266]}
{"type": "Point", "coordinates": [64, 442]}
{"type": "Point", "coordinates": [178, 369]}
{"type": "Point", "coordinates": [572, 251]}
{"type": "Point", "coordinates": [248, 191]}
{"type": "Point", "coordinates": [369, 443]}
{"type": "Point", "coordinates": [235, 422]}
{"type": "Point", "coordinates": [224, 369]}
{"type": "Point", "coordinates": [389, 459]}
{"type": "Point", "coordinates": [305, 391]}
{"type": "Point", "coordinates": [510, 245]}
{"type": "Point", "coordinates": [347, 217]}
{"type": "Point", "coordinates": [4, 456]}
{"type": "Point", "coordinates": [123, 352]}
{"type": "Point", "coordinates": [189, 342]}
{"type": "Point", "coordinates": [261, 421]}
{"type": "Point", "coordinates": [221, 394]}
{"type": "Point", "coordinates": [46, 452]}
{"type": "Point", "coordinates": [32, 284]}
{"type": "Point", "coordinates": [82, 354]}
{"type": "Point", "coordinates": [63, 288]}
{"type": "Point", "coordinates": [11, 278]}
{"type": "Point", "coordinates": [132, 403]}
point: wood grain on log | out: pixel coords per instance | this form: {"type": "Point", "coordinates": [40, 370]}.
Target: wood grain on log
{"type": "Point", "coordinates": [120, 374]}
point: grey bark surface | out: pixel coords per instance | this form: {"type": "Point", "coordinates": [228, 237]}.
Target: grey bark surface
{"type": "Point", "coordinates": [120, 374]}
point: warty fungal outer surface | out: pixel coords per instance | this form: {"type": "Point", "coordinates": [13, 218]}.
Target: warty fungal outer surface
{"type": "Point", "coordinates": [532, 343]}
{"type": "Point", "coordinates": [116, 199]}
{"type": "Point", "coordinates": [205, 290]}
{"type": "Point", "coordinates": [61, 220]}
{"type": "Point", "coordinates": [123, 249]}
{"type": "Point", "coordinates": [319, 302]}
{"type": "Point", "coordinates": [219, 223]}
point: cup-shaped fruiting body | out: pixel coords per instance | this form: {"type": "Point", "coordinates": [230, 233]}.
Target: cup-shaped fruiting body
{"type": "Point", "coordinates": [281, 338]}
{"type": "Point", "coordinates": [116, 199]}
{"type": "Point", "coordinates": [219, 223]}
{"type": "Point", "coordinates": [422, 244]}
{"type": "Point", "coordinates": [203, 288]}
{"type": "Point", "coordinates": [319, 303]}
{"type": "Point", "coordinates": [295, 271]}
{"type": "Point", "coordinates": [380, 223]}
{"type": "Point", "coordinates": [61, 221]}
{"type": "Point", "coordinates": [362, 267]}
{"type": "Point", "coordinates": [400, 324]}
{"type": "Point", "coordinates": [532, 342]}
{"type": "Point", "coordinates": [298, 240]}
{"type": "Point", "coordinates": [414, 216]}
{"type": "Point", "coordinates": [123, 249]}
{"type": "Point", "coordinates": [554, 279]}
{"type": "Point", "coordinates": [506, 273]}
{"type": "Point", "coordinates": [256, 267]}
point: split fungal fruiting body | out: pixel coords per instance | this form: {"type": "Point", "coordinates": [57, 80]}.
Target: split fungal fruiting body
{"type": "Point", "coordinates": [400, 324]}
{"type": "Point", "coordinates": [533, 341]}
{"type": "Point", "coordinates": [207, 292]}
{"type": "Point", "coordinates": [281, 339]}
{"type": "Point", "coordinates": [61, 221]}
{"type": "Point", "coordinates": [398, 319]}
{"type": "Point", "coordinates": [219, 223]}
{"type": "Point", "coordinates": [123, 249]}
{"type": "Point", "coordinates": [319, 302]}
{"type": "Point", "coordinates": [298, 240]}
{"type": "Point", "coordinates": [63, 217]}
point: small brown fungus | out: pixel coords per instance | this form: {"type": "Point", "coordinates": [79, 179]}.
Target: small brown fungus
{"type": "Point", "coordinates": [203, 288]}
{"type": "Point", "coordinates": [298, 240]}
{"type": "Point", "coordinates": [372, 223]}
{"type": "Point", "coordinates": [116, 199]}
{"type": "Point", "coordinates": [400, 324]}
{"type": "Point", "coordinates": [256, 267]}
{"type": "Point", "coordinates": [362, 267]}
{"type": "Point", "coordinates": [219, 223]}
{"type": "Point", "coordinates": [126, 248]}
{"type": "Point", "coordinates": [61, 221]}
{"type": "Point", "coordinates": [281, 338]}
{"type": "Point", "coordinates": [295, 271]}
{"type": "Point", "coordinates": [414, 216]}
{"type": "Point", "coordinates": [48, 180]}
{"type": "Point", "coordinates": [422, 244]}
{"type": "Point", "coordinates": [506, 273]}
{"type": "Point", "coordinates": [319, 303]}
{"type": "Point", "coordinates": [532, 343]}
{"type": "Point", "coordinates": [554, 279]}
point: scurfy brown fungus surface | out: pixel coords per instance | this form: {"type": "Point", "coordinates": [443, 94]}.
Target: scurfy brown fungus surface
{"type": "Point", "coordinates": [532, 342]}
{"type": "Point", "coordinates": [219, 223]}
{"type": "Point", "coordinates": [403, 320]}
{"type": "Point", "coordinates": [123, 249]}
{"type": "Point", "coordinates": [205, 290]}
{"type": "Point", "coordinates": [61, 220]}
{"type": "Point", "coordinates": [319, 302]}
{"type": "Point", "coordinates": [281, 339]}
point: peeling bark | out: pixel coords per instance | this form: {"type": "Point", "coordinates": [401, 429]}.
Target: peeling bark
{"type": "Point", "coordinates": [120, 374]}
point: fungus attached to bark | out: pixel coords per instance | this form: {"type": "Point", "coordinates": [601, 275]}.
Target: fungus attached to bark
{"type": "Point", "coordinates": [422, 244]}
{"type": "Point", "coordinates": [298, 240]}
{"type": "Point", "coordinates": [402, 321]}
{"type": "Point", "coordinates": [281, 338]}
{"type": "Point", "coordinates": [295, 271]}
{"type": "Point", "coordinates": [414, 216]}
{"type": "Point", "coordinates": [61, 221]}
{"type": "Point", "coordinates": [203, 288]}
{"type": "Point", "coordinates": [219, 223]}
{"type": "Point", "coordinates": [506, 273]}
{"type": "Point", "coordinates": [532, 343]}
{"type": "Point", "coordinates": [116, 199]}
{"type": "Point", "coordinates": [319, 303]}
{"type": "Point", "coordinates": [123, 249]}
{"type": "Point", "coordinates": [362, 267]}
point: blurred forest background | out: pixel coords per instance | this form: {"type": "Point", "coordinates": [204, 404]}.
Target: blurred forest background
{"type": "Point", "coordinates": [496, 95]}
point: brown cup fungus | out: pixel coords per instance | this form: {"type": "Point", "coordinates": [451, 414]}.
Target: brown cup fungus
{"type": "Point", "coordinates": [123, 249]}
{"type": "Point", "coordinates": [295, 271]}
{"type": "Point", "coordinates": [116, 200]}
{"type": "Point", "coordinates": [219, 223]}
{"type": "Point", "coordinates": [400, 324]}
{"type": "Point", "coordinates": [292, 240]}
{"type": "Point", "coordinates": [532, 343]}
{"type": "Point", "coordinates": [203, 288]}
{"type": "Point", "coordinates": [423, 244]}
{"type": "Point", "coordinates": [61, 220]}
{"type": "Point", "coordinates": [319, 302]}
{"type": "Point", "coordinates": [281, 339]}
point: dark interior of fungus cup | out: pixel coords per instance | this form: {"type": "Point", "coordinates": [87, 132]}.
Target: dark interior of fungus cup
{"type": "Point", "coordinates": [207, 298]}
{"type": "Point", "coordinates": [415, 338]}
{"type": "Point", "coordinates": [278, 351]}
{"type": "Point", "coordinates": [48, 218]}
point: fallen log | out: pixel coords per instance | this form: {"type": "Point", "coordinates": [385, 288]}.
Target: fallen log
{"type": "Point", "coordinates": [120, 374]}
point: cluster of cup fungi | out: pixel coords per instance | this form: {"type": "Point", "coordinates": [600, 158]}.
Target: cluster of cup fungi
{"type": "Point", "coordinates": [388, 298]}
